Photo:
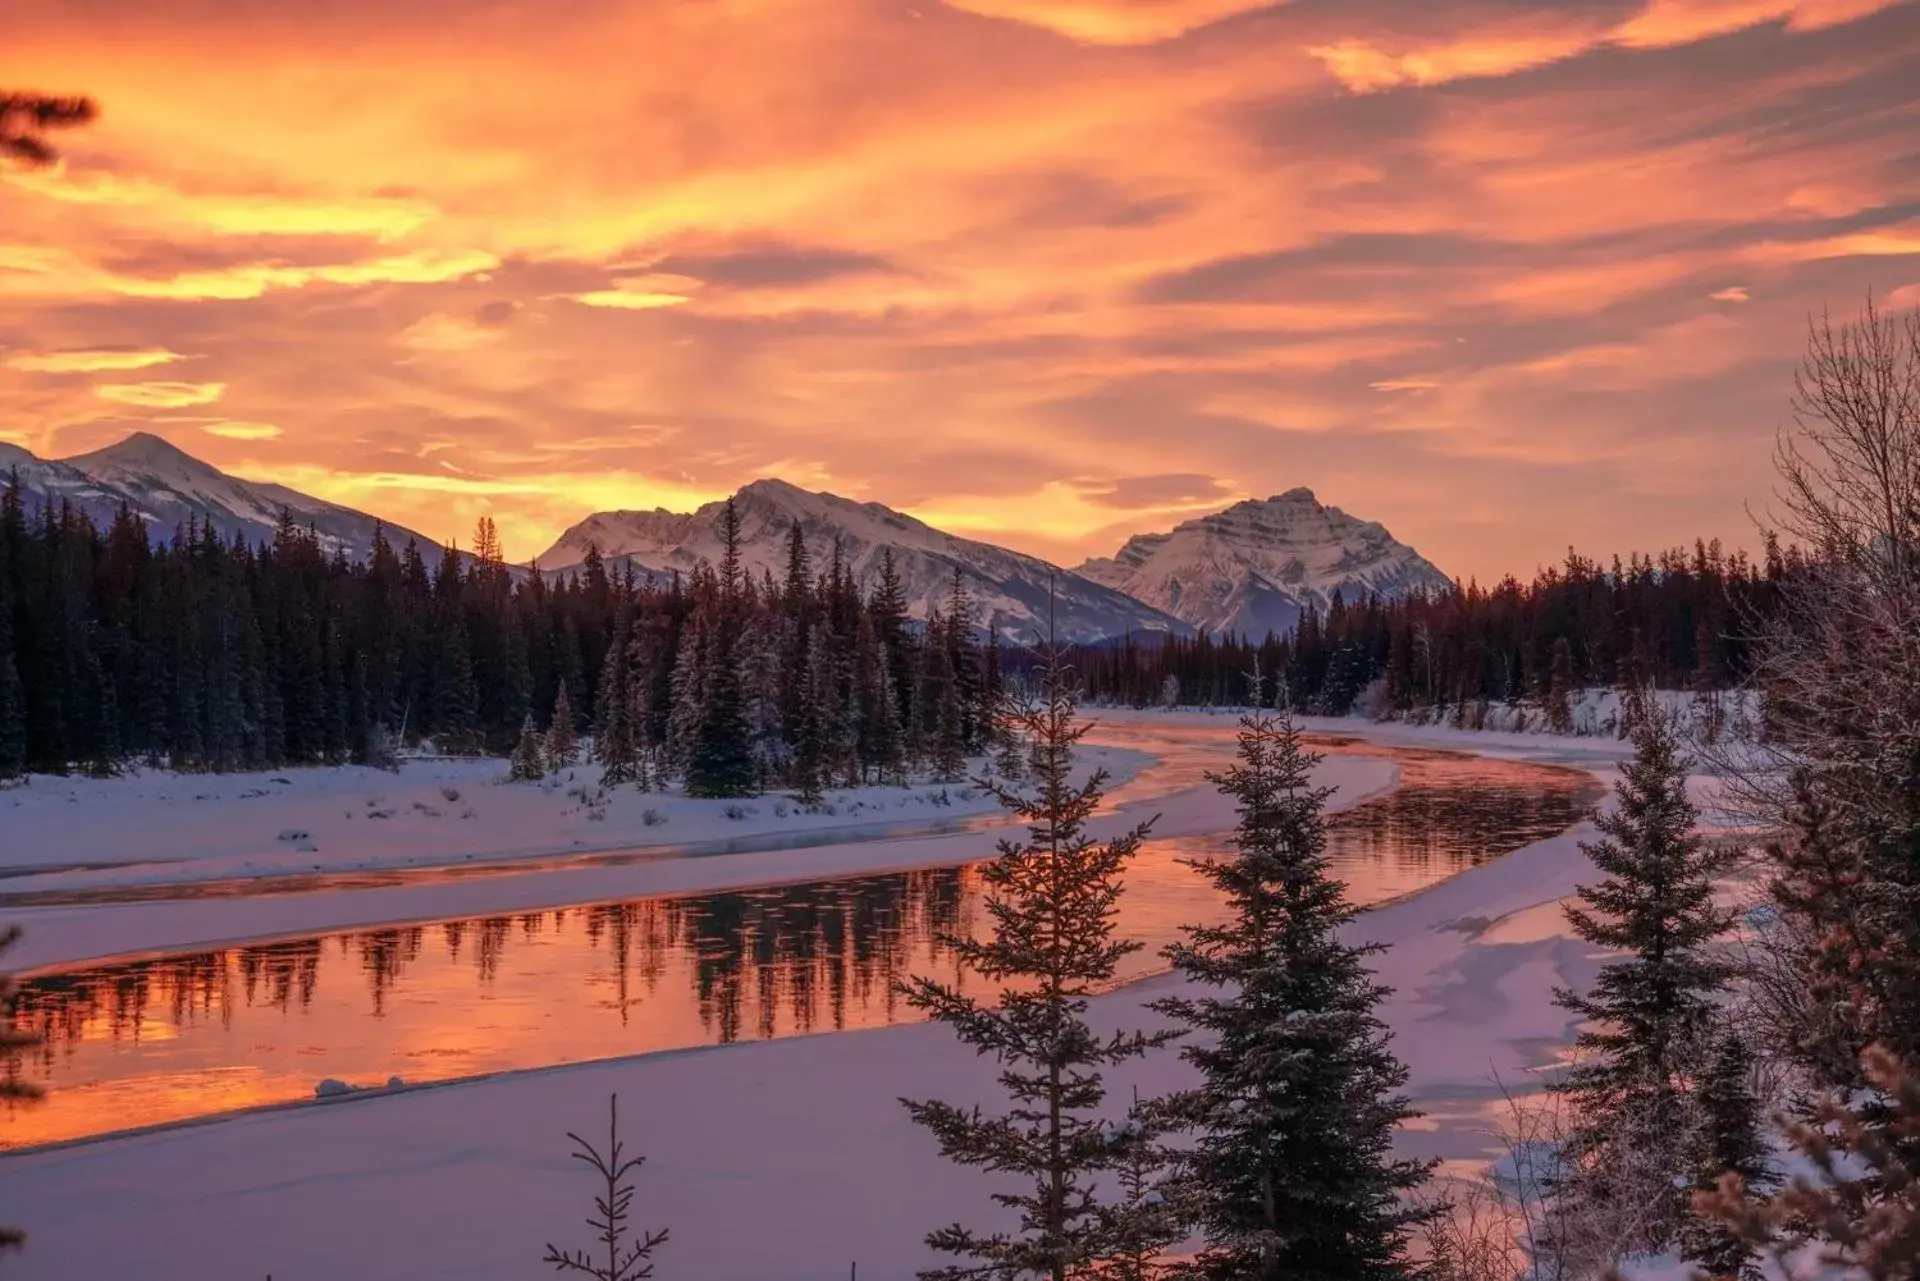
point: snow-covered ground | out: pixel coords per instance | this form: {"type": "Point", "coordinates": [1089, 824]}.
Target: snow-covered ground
{"type": "Point", "coordinates": [786, 1159]}
{"type": "Point", "coordinates": [153, 827]}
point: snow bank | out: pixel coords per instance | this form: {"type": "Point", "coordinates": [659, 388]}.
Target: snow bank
{"type": "Point", "coordinates": [156, 827]}
{"type": "Point", "coordinates": [65, 935]}
{"type": "Point", "coordinates": [802, 1143]}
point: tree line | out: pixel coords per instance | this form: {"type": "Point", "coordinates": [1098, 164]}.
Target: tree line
{"type": "Point", "coordinates": [202, 653]}
{"type": "Point", "coordinates": [1674, 620]}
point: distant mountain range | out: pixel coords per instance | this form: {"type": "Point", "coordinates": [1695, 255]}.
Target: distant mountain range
{"type": "Point", "coordinates": [164, 486]}
{"type": "Point", "coordinates": [1009, 589]}
{"type": "Point", "coordinates": [1251, 569]}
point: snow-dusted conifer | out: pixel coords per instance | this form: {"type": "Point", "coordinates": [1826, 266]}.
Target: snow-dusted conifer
{"type": "Point", "coordinates": [613, 743]}
{"type": "Point", "coordinates": [1649, 1009]}
{"type": "Point", "coordinates": [1291, 1172]}
{"type": "Point", "coordinates": [1728, 1140]}
{"type": "Point", "coordinates": [563, 737]}
{"type": "Point", "coordinates": [1053, 899]}
{"type": "Point", "coordinates": [527, 764]}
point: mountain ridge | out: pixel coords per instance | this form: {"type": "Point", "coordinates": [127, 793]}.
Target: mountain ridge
{"type": "Point", "coordinates": [1257, 565]}
{"type": "Point", "coordinates": [1010, 589]}
{"type": "Point", "coordinates": [165, 486]}
{"type": "Point", "coordinates": [1250, 568]}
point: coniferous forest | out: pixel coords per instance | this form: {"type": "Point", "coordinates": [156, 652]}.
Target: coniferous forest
{"type": "Point", "coordinates": [211, 655]}
{"type": "Point", "coordinates": [1679, 620]}
{"type": "Point", "coordinates": [204, 654]}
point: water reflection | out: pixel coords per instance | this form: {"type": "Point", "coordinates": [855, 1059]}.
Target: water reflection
{"type": "Point", "coordinates": [174, 1037]}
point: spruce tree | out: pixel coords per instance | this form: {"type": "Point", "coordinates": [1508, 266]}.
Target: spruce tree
{"type": "Point", "coordinates": [1728, 1140]}
{"type": "Point", "coordinates": [721, 762]}
{"type": "Point", "coordinates": [563, 737]}
{"type": "Point", "coordinates": [13, 703]}
{"type": "Point", "coordinates": [1053, 900]}
{"type": "Point", "coordinates": [526, 765]}
{"type": "Point", "coordinates": [1291, 1172]}
{"type": "Point", "coordinates": [1648, 1011]}
{"type": "Point", "coordinates": [1559, 700]}
{"type": "Point", "coordinates": [613, 741]}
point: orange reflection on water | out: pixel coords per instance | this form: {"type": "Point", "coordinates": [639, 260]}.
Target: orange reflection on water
{"type": "Point", "coordinates": [170, 1038]}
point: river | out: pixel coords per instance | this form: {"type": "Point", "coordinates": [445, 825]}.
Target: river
{"type": "Point", "coordinates": [193, 1034]}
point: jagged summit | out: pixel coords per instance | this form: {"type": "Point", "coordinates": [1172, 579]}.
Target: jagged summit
{"type": "Point", "coordinates": [166, 487]}
{"type": "Point", "coordinates": [1009, 589]}
{"type": "Point", "coordinates": [1254, 567]}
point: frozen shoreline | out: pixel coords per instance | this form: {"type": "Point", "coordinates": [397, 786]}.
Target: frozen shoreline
{"type": "Point", "coordinates": [801, 1137]}
{"type": "Point", "coordinates": [60, 936]}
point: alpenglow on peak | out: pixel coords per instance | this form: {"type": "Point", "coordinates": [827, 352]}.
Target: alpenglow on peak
{"type": "Point", "coordinates": [1255, 567]}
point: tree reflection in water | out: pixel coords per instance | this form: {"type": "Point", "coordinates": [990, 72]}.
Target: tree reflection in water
{"type": "Point", "coordinates": [138, 1042]}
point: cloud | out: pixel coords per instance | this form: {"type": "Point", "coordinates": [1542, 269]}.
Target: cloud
{"type": "Point", "coordinates": [1114, 22]}
{"type": "Point", "coordinates": [92, 360]}
{"type": "Point", "coordinates": [643, 293]}
{"type": "Point", "coordinates": [1159, 493]}
{"type": "Point", "coordinates": [1367, 66]}
{"type": "Point", "coordinates": [774, 267]}
{"type": "Point", "coordinates": [1733, 293]}
{"type": "Point", "coordinates": [237, 429]}
{"type": "Point", "coordinates": [164, 395]}
{"type": "Point", "coordinates": [1009, 263]}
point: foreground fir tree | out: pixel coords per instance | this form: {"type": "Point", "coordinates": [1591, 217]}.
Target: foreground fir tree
{"type": "Point", "coordinates": [1651, 1010]}
{"type": "Point", "coordinates": [1858, 1204]}
{"type": "Point", "coordinates": [1053, 899]}
{"type": "Point", "coordinates": [1729, 1140]}
{"type": "Point", "coordinates": [1291, 1172]}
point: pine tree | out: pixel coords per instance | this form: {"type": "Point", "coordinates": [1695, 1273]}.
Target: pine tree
{"type": "Point", "coordinates": [1291, 1172]}
{"type": "Point", "coordinates": [13, 703]}
{"type": "Point", "coordinates": [1649, 1010]}
{"type": "Point", "coordinates": [563, 737]}
{"type": "Point", "coordinates": [526, 765]}
{"type": "Point", "coordinates": [1559, 701]}
{"type": "Point", "coordinates": [1053, 900]}
{"type": "Point", "coordinates": [721, 762]}
{"type": "Point", "coordinates": [613, 741]}
{"type": "Point", "coordinates": [1729, 1140]}
{"type": "Point", "coordinates": [1145, 1222]}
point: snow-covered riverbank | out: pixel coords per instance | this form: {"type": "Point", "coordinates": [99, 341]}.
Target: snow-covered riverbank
{"type": "Point", "coordinates": [366, 872]}
{"type": "Point", "coordinates": [802, 1138]}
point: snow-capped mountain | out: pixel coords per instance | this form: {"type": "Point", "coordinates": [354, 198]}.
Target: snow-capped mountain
{"type": "Point", "coordinates": [1009, 590]}
{"type": "Point", "coordinates": [1255, 567]}
{"type": "Point", "coordinates": [163, 485]}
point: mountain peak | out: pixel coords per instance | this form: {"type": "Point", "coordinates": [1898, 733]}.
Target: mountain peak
{"type": "Point", "coordinates": [142, 451]}
{"type": "Point", "coordinates": [1008, 589]}
{"type": "Point", "coordinates": [1257, 566]}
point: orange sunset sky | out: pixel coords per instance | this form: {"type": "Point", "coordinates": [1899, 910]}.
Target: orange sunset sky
{"type": "Point", "coordinates": [1503, 276]}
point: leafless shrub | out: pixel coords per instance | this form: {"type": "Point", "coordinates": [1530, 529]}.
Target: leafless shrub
{"type": "Point", "coordinates": [628, 1255]}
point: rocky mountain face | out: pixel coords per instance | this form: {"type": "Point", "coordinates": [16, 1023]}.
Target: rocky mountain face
{"type": "Point", "coordinates": [1251, 569]}
{"type": "Point", "coordinates": [1009, 589]}
{"type": "Point", "coordinates": [1255, 567]}
{"type": "Point", "coordinates": [164, 486]}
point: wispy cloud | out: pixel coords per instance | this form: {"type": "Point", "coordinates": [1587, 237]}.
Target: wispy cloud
{"type": "Point", "coordinates": [165, 395]}
{"type": "Point", "coordinates": [86, 360]}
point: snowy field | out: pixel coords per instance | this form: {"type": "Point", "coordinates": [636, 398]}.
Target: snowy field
{"type": "Point", "coordinates": [156, 827]}
{"type": "Point", "coordinates": [801, 1139]}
